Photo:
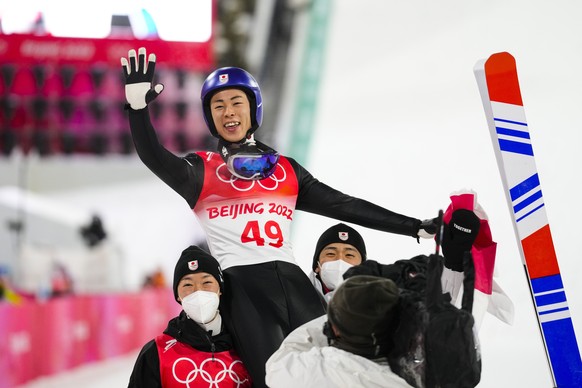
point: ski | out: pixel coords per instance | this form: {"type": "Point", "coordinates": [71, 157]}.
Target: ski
{"type": "Point", "coordinates": [500, 92]}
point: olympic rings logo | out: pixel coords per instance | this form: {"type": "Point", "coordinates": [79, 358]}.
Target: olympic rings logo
{"type": "Point", "coordinates": [213, 381]}
{"type": "Point", "coordinates": [271, 183]}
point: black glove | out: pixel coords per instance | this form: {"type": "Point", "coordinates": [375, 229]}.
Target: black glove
{"type": "Point", "coordinates": [428, 228]}
{"type": "Point", "coordinates": [138, 79]}
{"type": "Point", "coordinates": [458, 237]}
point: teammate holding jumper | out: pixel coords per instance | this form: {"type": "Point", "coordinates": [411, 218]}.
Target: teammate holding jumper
{"type": "Point", "coordinates": [244, 196]}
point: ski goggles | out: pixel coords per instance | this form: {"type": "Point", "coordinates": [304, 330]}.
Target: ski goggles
{"type": "Point", "coordinates": [251, 166]}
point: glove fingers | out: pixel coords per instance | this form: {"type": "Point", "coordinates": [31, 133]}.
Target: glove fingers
{"type": "Point", "coordinates": [153, 93]}
{"type": "Point", "coordinates": [151, 66]}
{"type": "Point", "coordinates": [125, 67]}
{"type": "Point", "coordinates": [158, 88]}
{"type": "Point", "coordinates": [138, 78]}
{"type": "Point", "coordinates": [132, 62]}
{"type": "Point", "coordinates": [141, 60]}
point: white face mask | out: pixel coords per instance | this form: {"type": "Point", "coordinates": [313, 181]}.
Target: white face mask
{"type": "Point", "coordinates": [331, 273]}
{"type": "Point", "coordinates": [201, 306]}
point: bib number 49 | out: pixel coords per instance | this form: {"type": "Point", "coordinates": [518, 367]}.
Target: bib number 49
{"type": "Point", "coordinates": [271, 231]}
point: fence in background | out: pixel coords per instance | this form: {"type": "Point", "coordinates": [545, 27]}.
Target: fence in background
{"type": "Point", "coordinates": [45, 338]}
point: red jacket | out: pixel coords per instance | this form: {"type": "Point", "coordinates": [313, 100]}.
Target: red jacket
{"type": "Point", "coordinates": [183, 366]}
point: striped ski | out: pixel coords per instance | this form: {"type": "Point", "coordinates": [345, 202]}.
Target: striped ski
{"type": "Point", "coordinates": [501, 96]}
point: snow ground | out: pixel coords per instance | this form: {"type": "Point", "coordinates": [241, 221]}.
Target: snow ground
{"type": "Point", "coordinates": [400, 123]}
{"type": "Point", "coordinates": [107, 374]}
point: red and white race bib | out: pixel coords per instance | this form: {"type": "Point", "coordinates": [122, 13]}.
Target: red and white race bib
{"type": "Point", "coordinates": [247, 221]}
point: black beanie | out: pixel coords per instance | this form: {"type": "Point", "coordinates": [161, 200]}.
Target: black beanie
{"type": "Point", "coordinates": [362, 309]}
{"type": "Point", "coordinates": [340, 233]}
{"type": "Point", "coordinates": [193, 260]}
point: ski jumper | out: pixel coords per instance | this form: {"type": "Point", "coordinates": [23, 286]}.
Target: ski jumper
{"type": "Point", "coordinates": [247, 223]}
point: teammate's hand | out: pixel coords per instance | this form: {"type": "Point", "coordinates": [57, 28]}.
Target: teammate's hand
{"type": "Point", "coordinates": [138, 79]}
{"type": "Point", "coordinates": [428, 228]}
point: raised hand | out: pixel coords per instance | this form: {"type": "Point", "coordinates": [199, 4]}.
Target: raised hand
{"type": "Point", "coordinates": [139, 77]}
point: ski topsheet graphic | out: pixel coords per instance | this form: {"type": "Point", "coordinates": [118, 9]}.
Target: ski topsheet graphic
{"type": "Point", "coordinates": [500, 92]}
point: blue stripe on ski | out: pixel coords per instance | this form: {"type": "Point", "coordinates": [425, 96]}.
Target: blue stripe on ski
{"type": "Point", "coordinates": [510, 145]}
{"type": "Point", "coordinates": [512, 132]}
{"type": "Point", "coordinates": [528, 201]}
{"type": "Point", "coordinates": [515, 147]}
{"type": "Point", "coordinates": [510, 121]}
{"type": "Point", "coordinates": [525, 186]}
{"type": "Point", "coordinates": [557, 310]}
{"type": "Point", "coordinates": [559, 334]}
{"type": "Point", "coordinates": [563, 351]}
{"type": "Point", "coordinates": [529, 213]}
{"type": "Point", "coordinates": [547, 283]}
{"type": "Point", "coordinates": [553, 298]}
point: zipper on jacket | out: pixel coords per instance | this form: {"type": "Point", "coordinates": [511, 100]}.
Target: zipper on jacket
{"type": "Point", "coordinates": [212, 345]}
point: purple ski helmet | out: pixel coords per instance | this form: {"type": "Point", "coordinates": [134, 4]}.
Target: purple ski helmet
{"type": "Point", "coordinates": [227, 78]}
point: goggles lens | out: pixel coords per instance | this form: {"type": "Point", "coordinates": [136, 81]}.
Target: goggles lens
{"type": "Point", "coordinates": [253, 166]}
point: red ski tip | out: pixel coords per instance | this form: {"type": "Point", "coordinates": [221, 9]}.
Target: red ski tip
{"type": "Point", "coordinates": [502, 82]}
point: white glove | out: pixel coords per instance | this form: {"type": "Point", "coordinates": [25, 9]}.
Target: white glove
{"type": "Point", "coordinates": [138, 79]}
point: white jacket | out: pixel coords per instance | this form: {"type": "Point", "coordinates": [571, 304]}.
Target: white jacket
{"type": "Point", "coordinates": [305, 360]}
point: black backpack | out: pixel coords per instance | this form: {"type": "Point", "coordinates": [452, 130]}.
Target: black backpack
{"type": "Point", "coordinates": [407, 356]}
{"type": "Point", "coordinates": [433, 344]}
{"type": "Point", "coordinates": [453, 358]}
